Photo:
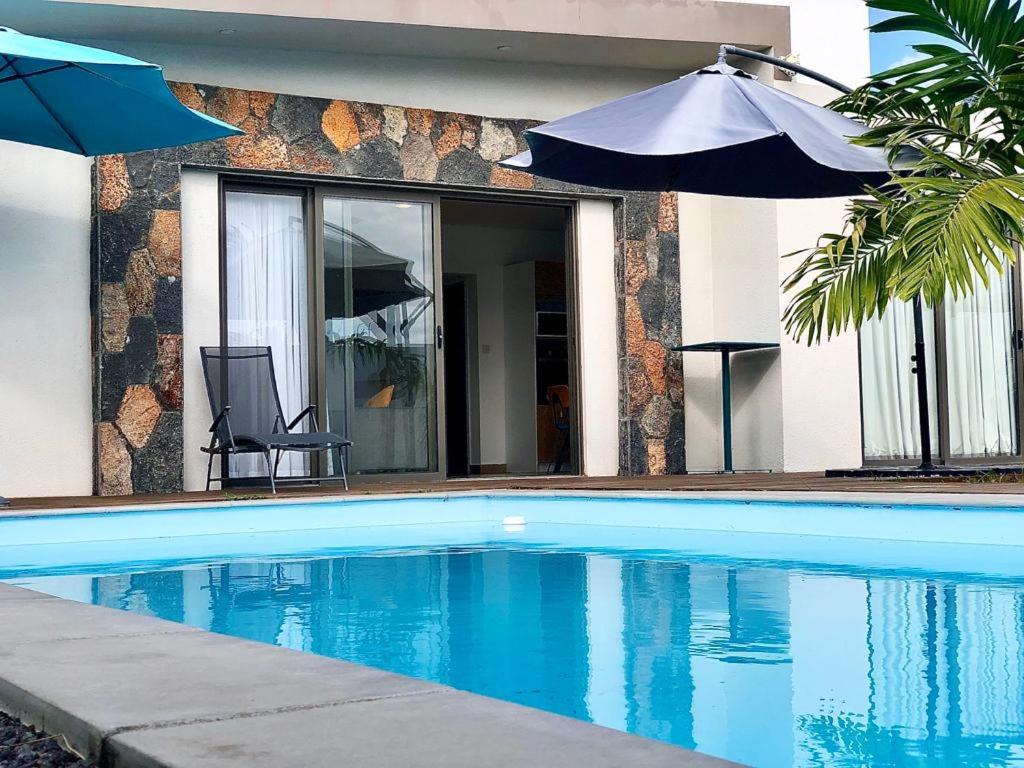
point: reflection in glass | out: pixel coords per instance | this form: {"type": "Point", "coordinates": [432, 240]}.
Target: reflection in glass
{"type": "Point", "coordinates": [766, 666]}
{"type": "Point", "coordinates": [379, 326]}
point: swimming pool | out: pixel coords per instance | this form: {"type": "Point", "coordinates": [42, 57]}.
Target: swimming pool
{"type": "Point", "coordinates": [719, 626]}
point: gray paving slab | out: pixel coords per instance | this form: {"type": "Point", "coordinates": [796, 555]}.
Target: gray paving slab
{"type": "Point", "coordinates": [32, 619]}
{"type": "Point", "coordinates": [96, 683]}
{"type": "Point", "coordinates": [453, 730]}
{"type": "Point", "coordinates": [132, 690]}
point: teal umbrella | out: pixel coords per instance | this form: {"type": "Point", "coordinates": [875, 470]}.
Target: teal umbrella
{"type": "Point", "coordinates": [91, 102]}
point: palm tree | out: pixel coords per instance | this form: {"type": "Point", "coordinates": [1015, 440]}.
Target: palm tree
{"type": "Point", "coordinates": [959, 213]}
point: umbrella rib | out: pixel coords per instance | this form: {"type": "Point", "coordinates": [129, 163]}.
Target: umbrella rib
{"type": "Point", "coordinates": [760, 111]}
{"type": "Point", "coordinates": [44, 105]}
{"type": "Point", "coordinates": [12, 78]}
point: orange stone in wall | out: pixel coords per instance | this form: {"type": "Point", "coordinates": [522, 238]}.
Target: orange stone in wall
{"type": "Point", "coordinates": [138, 414]}
{"type": "Point", "coordinates": [339, 125]}
{"type": "Point", "coordinates": [114, 185]}
{"type": "Point", "coordinates": [165, 242]}
{"type": "Point", "coordinates": [115, 463]}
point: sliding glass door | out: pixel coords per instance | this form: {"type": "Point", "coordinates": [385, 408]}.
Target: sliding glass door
{"type": "Point", "coordinates": [265, 298]}
{"type": "Point", "coordinates": [974, 378]}
{"type": "Point", "coordinates": [379, 343]}
{"type": "Point", "coordinates": [981, 371]}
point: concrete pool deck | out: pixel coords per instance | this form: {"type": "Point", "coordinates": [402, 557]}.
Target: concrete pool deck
{"type": "Point", "coordinates": [137, 692]}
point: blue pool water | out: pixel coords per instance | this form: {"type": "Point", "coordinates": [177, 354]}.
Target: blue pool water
{"type": "Point", "coordinates": [848, 660]}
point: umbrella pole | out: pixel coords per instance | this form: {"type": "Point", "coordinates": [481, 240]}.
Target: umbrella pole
{"type": "Point", "coordinates": [918, 358]}
{"type": "Point", "coordinates": [920, 370]}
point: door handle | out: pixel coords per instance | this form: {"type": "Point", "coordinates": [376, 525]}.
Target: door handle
{"type": "Point", "coordinates": [440, 337]}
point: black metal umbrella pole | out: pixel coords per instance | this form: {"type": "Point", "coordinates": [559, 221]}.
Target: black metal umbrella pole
{"type": "Point", "coordinates": [718, 131]}
{"type": "Point", "coordinates": [918, 359]}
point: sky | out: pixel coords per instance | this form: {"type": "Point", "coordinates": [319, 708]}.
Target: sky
{"type": "Point", "coordinates": [892, 48]}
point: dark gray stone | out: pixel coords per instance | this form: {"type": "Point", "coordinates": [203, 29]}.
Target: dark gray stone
{"type": "Point", "coordinates": [463, 166]}
{"type": "Point", "coordinates": [140, 350]}
{"type": "Point", "coordinates": [206, 153]}
{"type": "Point", "coordinates": [637, 449]}
{"type": "Point", "coordinates": [375, 159]}
{"type": "Point", "coordinates": [651, 297]}
{"type": "Point", "coordinates": [166, 178]}
{"type": "Point", "coordinates": [167, 306]}
{"type": "Point", "coordinates": [113, 383]}
{"type": "Point", "coordinates": [668, 256]}
{"type": "Point", "coordinates": [140, 167]}
{"type": "Point", "coordinates": [641, 214]}
{"type": "Point", "coordinates": [675, 445]}
{"type": "Point", "coordinates": [671, 329]}
{"type": "Point", "coordinates": [119, 233]}
{"type": "Point", "coordinates": [158, 466]}
{"type": "Point", "coordinates": [297, 117]}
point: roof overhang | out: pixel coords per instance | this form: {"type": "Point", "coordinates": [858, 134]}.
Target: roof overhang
{"type": "Point", "coordinates": [650, 34]}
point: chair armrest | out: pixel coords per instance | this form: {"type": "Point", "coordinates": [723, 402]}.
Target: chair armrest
{"type": "Point", "coordinates": [309, 410]}
{"type": "Point", "coordinates": [222, 416]}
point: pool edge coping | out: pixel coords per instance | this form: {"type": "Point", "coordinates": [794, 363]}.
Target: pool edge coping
{"type": "Point", "coordinates": [41, 702]}
{"type": "Point", "coordinates": [868, 498]}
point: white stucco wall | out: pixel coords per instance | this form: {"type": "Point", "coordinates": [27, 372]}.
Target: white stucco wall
{"type": "Point", "coordinates": [200, 284]}
{"type": "Point", "coordinates": [45, 373]}
{"type": "Point", "coordinates": [489, 88]}
{"type": "Point", "coordinates": [829, 36]}
{"type": "Point", "coordinates": [599, 384]}
{"type": "Point", "coordinates": [794, 410]}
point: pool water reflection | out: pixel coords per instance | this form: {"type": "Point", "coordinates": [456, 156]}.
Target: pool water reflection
{"type": "Point", "coordinates": [768, 666]}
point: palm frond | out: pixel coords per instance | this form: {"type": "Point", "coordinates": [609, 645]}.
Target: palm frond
{"type": "Point", "coordinates": [959, 111]}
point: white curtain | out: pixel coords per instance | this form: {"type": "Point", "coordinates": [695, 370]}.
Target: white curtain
{"type": "Point", "coordinates": [981, 377]}
{"type": "Point", "coordinates": [889, 388]}
{"type": "Point", "coordinates": [267, 301]}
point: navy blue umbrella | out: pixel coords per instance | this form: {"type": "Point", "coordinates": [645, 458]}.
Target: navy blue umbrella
{"type": "Point", "coordinates": [716, 131]}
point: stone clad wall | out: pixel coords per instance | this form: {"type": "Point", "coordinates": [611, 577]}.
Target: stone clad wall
{"type": "Point", "coordinates": [137, 293]}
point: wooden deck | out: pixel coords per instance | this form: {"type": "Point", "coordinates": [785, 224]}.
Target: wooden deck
{"type": "Point", "coordinates": [808, 482]}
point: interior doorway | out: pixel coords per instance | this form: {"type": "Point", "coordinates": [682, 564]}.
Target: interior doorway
{"type": "Point", "coordinates": [508, 328]}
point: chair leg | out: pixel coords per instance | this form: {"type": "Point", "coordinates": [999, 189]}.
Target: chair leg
{"type": "Point", "coordinates": [341, 463]}
{"type": "Point", "coordinates": [209, 472]}
{"type": "Point", "coordinates": [563, 452]}
{"type": "Point", "coordinates": [271, 471]}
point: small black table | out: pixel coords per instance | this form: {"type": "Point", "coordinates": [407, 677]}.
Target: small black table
{"type": "Point", "coordinates": [726, 348]}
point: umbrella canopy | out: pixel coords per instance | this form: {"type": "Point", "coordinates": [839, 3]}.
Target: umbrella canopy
{"type": "Point", "coordinates": [361, 278]}
{"type": "Point", "coordinates": [91, 102]}
{"type": "Point", "coordinates": [716, 131]}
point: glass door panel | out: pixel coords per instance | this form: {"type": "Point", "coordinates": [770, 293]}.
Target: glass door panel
{"type": "Point", "coordinates": [380, 362]}
{"type": "Point", "coordinates": [889, 387]}
{"type": "Point", "coordinates": [981, 370]}
{"type": "Point", "coordinates": [266, 301]}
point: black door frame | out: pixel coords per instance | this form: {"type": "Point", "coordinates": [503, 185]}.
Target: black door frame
{"type": "Point", "coordinates": [313, 191]}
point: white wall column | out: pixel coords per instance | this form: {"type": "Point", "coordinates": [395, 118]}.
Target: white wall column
{"type": "Point", "coordinates": [46, 445]}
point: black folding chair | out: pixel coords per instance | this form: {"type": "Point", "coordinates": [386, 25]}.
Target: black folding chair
{"type": "Point", "coordinates": [247, 416]}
